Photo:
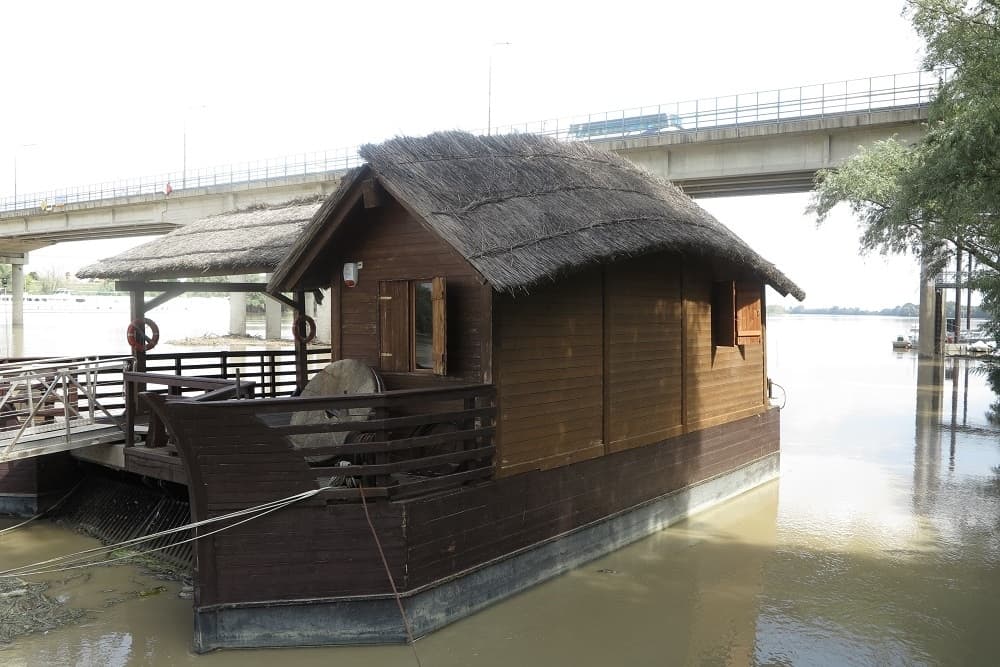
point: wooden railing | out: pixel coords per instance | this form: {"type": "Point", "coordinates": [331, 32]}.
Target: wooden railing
{"type": "Point", "coordinates": [213, 389]}
{"type": "Point", "coordinates": [273, 371]}
{"type": "Point", "coordinates": [389, 445]}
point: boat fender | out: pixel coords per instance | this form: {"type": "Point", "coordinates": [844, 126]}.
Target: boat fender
{"type": "Point", "coordinates": [304, 328]}
{"type": "Point", "coordinates": [136, 334]}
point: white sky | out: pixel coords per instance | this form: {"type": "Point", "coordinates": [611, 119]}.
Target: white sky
{"type": "Point", "coordinates": [104, 90]}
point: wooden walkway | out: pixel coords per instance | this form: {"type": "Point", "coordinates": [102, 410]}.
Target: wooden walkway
{"type": "Point", "coordinates": [38, 444]}
{"type": "Point", "coordinates": [53, 405]}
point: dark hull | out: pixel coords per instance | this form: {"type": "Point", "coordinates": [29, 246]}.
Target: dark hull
{"type": "Point", "coordinates": [311, 574]}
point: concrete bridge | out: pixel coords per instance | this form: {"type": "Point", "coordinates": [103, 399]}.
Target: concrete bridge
{"type": "Point", "coordinates": [764, 142]}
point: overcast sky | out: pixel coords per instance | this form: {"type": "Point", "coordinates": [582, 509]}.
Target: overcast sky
{"type": "Point", "coordinates": [105, 90]}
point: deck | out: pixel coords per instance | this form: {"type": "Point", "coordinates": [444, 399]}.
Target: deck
{"type": "Point", "coordinates": [89, 405]}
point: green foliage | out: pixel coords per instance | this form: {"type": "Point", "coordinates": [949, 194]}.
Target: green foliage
{"type": "Point", "coordinates": [943, 191]}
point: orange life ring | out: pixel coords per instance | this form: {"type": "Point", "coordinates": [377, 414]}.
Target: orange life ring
{"type": "Point", "coordinates": [136, 334]}
{"type": "Point", "coordinates": [304, 328]}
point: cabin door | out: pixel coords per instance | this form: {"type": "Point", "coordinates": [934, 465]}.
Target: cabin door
{"type": "Point", "coordinates": [394, 325]}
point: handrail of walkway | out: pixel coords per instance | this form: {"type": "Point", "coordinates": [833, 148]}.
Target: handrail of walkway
{"type": "Point", "coordinates": [879, 93]}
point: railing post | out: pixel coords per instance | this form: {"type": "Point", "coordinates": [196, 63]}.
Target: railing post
{"type": "Point", "coordinates": [274, 376]}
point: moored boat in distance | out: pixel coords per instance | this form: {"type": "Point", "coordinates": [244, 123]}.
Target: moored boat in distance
{"type": "Point", "coordinates": [902, 343]}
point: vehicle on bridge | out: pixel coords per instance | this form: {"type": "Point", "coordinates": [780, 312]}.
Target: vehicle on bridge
{"type": "Point", "coordinates": [626, 126]}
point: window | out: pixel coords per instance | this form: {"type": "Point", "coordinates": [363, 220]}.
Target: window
{"type": "Point", "coordinates": [723, 313]}
{"type": "Point", "coordinates": [413, 326]}
{"type": "Point", "coordinates": [736, 314]}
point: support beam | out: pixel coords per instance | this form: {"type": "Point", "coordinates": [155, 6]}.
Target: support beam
{"type": "Point", "coordinates": [300, 348]}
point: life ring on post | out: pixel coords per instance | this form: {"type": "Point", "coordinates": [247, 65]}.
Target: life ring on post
{"type": "Point", "coordinates": [136, 334]}
{"type": "Point", "coordinates": [304, 328]}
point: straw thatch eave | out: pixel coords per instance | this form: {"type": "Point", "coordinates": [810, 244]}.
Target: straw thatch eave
{"type": "Point", "coordinates": [240, 243]}
{"type": "Point", "coordinates": [293, 271]}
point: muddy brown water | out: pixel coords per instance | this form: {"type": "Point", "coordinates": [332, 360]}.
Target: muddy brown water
{"type": "Point", "coordinates": [879, 545]}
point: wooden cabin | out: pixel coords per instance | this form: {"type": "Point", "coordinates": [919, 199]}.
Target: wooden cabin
{"type": "Point", "coordinates": [573, 356]}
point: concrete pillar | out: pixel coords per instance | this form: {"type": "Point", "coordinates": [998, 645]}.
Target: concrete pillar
{"type": "Point", "coordinates": [238, 313]}
{"type": "Point", "coordinates": [17, 294]}
{"type": "Point", "coordinates": [926, 343]}
{"type": "Point", "coordinates": [272, 319]}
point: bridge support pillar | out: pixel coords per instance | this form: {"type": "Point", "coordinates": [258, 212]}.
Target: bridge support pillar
{"type": "Point", "coordinates": [928, 346]}
{"type": "Point", "coordinates": [238, 313]}
{"type": "Point", "coordinates": [272, 319]}
{"type": "Point", "coordinates": [17, 291]}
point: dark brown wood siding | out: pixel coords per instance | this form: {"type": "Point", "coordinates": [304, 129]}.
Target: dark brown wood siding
{"type": "Point", "coordinates": [549, 373]}
{"type": "Point", "coordinates": [393, 246]}
{"type": "Point", "coordinates": [643, 340]}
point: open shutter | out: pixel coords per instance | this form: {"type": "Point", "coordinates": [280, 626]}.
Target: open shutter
{"type": "Point", "coordinates": [749, 328]}
{"type": "Point", "coordinates": [439, 292]}
{"type": "Point", "coordinates": [723, 313]}
{"type": "Point", "coordinates": [394, 325]}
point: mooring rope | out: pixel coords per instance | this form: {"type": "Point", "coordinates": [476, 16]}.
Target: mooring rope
{"type": "Point", "coordinates": [81, 559]}
{"type": "Point", "coordinates": [85, 558]}
{"type": "Point", "coordinates": [388, 573]}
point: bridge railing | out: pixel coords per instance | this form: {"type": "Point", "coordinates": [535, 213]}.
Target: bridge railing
{"type": "Point", "coordinates": [913, 89]}
{"type": "Point", "coordinates": [894, 91]}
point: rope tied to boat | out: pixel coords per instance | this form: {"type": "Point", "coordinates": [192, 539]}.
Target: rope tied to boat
{"type": "Point", "coordinates": [89, 557]}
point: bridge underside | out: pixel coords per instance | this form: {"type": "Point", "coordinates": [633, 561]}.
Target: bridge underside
{"type": "Point", "coordinates": [752, 184]}
{"type": "Point", "coordinates": [765, 158]}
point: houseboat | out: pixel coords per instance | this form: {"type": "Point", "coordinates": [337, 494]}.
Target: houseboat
{"type": "Point", "coordinates": [539, 354]}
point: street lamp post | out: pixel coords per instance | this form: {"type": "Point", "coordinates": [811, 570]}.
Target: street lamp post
{"type": "Point", "coordinates": [16, 149]}
{"type": "Point", "coordinates": [184, 162]}
{"type": "Point", "coordinates": [489, 88]}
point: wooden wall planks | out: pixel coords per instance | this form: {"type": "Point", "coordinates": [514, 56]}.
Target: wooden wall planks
{"type": "Point", "coordinates": [394, 246]}
{"type": "Point", "coordinates": [616, 358]}
{"type": "Point", "coordinates": [549, 374]}
{"type": "Point", "coordinates": [643, 328]}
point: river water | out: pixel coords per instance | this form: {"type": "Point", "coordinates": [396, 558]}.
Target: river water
{"type": "Point", "coordinates": [879, 545]}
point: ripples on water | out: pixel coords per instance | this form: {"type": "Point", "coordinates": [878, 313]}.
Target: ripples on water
{"type": "Point", "coordinates": [878, 546]}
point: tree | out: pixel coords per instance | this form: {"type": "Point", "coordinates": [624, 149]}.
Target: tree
{"type": "Point", "coordinates": [945, 190]}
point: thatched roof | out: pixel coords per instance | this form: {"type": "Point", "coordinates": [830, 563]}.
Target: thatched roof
{"type": "Point", "coordinates": [524, 210]}
{"type": "Point", "coordinates": [240, 243]}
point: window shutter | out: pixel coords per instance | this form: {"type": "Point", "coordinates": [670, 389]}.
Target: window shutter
{"type": "Point", "coordinates": [394, 325]}
{"type": "Point", "coordinates": [439, 293]}
{"type": "Point", "coordinates": [723, 313]}
{"type": "Point", "coordinates": [749, 322]}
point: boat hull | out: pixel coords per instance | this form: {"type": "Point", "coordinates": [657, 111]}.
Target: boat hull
{"type": "Point", "coordinates": [472, 547]}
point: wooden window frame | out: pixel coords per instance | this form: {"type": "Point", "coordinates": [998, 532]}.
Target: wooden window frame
{"type": "Point", "coordinates": [737, 317]}
{"type": "Point", "coordinates": [439, 325]}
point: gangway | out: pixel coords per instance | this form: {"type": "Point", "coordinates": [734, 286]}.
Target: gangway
{"type": "Point", "coordinates": [51, 405]}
